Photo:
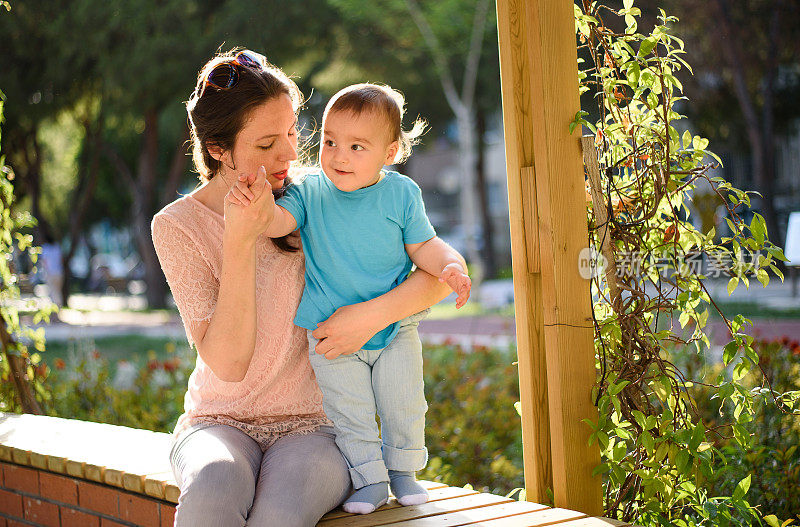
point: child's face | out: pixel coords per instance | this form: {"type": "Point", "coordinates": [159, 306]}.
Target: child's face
{"type": "Point", "coordinates": [355, 148]}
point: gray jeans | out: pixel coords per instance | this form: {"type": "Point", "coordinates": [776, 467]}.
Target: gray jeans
{"type": "Point", "coordinates": [225, 480]}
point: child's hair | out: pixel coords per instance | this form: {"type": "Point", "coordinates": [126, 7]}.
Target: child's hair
{"type": "Point", "coordinates": [384, 100]}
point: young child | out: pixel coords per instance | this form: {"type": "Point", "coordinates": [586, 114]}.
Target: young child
{"type": "Point", "coordinates": [362, 227]}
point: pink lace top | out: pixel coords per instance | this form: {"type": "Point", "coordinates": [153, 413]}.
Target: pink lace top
{"type": "Point", "coordinates": [279, 393]}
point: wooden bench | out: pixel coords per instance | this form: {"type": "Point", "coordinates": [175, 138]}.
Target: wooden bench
{"type": "Point", "coordinates": [63, 472]}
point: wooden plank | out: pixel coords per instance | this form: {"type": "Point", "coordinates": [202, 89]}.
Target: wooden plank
{"type": "Point", "coordinates": [530, 216]}
{"type": "Point", "coordinates": [594, 522]}
{"type": "Point", "coordinates": [434, 494]}
{"type": "Point", "coordinates": [544, 33]}
{"type": "Point", "coordinates": [569, 332]}
{"type": "Point", "coordinates": [428, 485]}
{"type": "Point", "coordinates": [472, 516]}
{"type": "Point", "coordinates": [536, 519]}
{"type": "Point", "coordinates": [518, 109]}
{"type": "Point", "coordinates": [432, 508]}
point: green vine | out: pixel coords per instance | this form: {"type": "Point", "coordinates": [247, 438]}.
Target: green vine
{"type": "Point", "coordinates": [21, 371]}
{"type": "Point", "coordinates": [650, 303]}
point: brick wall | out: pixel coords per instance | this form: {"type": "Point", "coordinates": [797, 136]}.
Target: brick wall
{"type": "Point", "coordinates": [29, 496]}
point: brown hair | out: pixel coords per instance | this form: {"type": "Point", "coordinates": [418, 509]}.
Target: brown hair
{"type": "Point", "coordinates": [386, 101]}
{"type": "Point", "coordinates": [216, 116]}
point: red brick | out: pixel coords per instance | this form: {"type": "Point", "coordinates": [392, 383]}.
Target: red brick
{"type": "Point", "coordinates": [58, 488]}
{"type": "Point", "coordinates": [167, 515]}
{"type": "Point", "coordinates": [10, 503]}
{"type": "Point", "coordinates": [73, 518]}
{"type": "Point", "coordinates": [21, 478]}
{"type": "Point", "coordinates": [41, 512]}
{"type": "Point", "coordinates": [98, 498]}
{"type": "Point", "coordinates": [108, 523]}
{"type": "Point", "coordinates": [3, 522]}
{"type": "Point", "coordinates": [138, 510]}
{"type": "Point", "coordinates": [12, 523]}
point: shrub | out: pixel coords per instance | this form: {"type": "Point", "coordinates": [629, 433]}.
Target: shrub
{"type": "Point", "coordinates": [473, 432]}
{"type": "Point", "coordinates": [149, 397]}
{"type": "Point", "coordinates": [774, 460]}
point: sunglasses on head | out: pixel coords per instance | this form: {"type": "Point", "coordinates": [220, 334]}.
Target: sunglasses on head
{"type": "Point", "coordinates": [224, 75]}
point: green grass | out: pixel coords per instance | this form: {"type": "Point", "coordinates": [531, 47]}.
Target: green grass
{"type": "Point", "coordinates": [133, 348]}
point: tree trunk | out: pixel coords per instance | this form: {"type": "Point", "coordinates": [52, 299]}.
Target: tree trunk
{"type": "Point", "coordinates": [84, 192]}
{"type": "Point", "coordinates": [17, 368]}
{"type": "Point", "coordinates": [767, 186]}
{"type": "Point", "coordinates": [142, 212]}
{"type": "Point", "coordinates": [469, 209]}
{"type": "Point", "coordinates": [462, 106]}
{"type": "Point", "coordinates": [489, 252]}
{"type": "Point", "coordinates": [760, 133]}
{"type": "Point", "coordinates": [177, 168]}
{"type": "Point", "coordinates": [31, 179]}
{"type": "Point", "coordinates": [142, 188]}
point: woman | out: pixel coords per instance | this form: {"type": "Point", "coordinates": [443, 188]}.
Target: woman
{"type": "Point", "coordinates": [254, 445]}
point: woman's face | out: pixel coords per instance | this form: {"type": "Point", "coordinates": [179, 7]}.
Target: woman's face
{"type": "Point", "coordinates": [268, 138]}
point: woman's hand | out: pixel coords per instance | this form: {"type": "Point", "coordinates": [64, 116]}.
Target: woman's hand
{"type": "Point", "coordinates": [346, 331]}
{"type": "Point", "coordinates": [249, 205]}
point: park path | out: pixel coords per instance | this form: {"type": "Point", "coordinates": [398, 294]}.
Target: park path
{"type": "Point", "coordinates": [468, 331]}
{"type": "Point", "coordinates": [101, 316]}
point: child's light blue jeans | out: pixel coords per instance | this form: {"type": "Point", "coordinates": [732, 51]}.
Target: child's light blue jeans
{"type": "Point", "coordinates": [388, 382]}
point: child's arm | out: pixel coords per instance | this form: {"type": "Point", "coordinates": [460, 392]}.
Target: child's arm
{"type": "Point", "coordinates": [282, 224]}
{"type": "Point", "coordinates": [439, 259]}
{"type": "Point", "coordinates": [244, 193]}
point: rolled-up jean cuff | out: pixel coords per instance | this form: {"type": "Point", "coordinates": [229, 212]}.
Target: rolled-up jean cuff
{"type": "Point", "coordinates": [404, 459]}
{"type": "Point", "coordinates": [368, 473]}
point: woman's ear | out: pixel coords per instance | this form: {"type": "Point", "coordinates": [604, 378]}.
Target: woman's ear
{"type": "Point", "coordinates": [391, 152]}
{"type": "Point", "coordinates": [215, 151]}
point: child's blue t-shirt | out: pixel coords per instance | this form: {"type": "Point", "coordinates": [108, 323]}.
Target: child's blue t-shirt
{"type": "Point", "coordinates": [354, 243]}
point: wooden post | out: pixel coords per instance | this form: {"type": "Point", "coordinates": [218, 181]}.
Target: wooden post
{"type": "Point", "coordinates": [547, 207]}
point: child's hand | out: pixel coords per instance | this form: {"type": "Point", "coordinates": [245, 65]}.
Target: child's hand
{"type": "Point", "coordinates": [242, 192]}
{"type": "Point", "coordinates": [458, 281]}
{"type": "Point", "coordinates": [249, 204]}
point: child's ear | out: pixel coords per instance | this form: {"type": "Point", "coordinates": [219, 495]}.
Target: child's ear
{"type": "Point", "coordinates": [391, 153]}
